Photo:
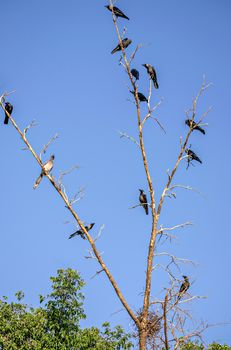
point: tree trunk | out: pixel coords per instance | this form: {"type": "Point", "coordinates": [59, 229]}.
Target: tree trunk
{"type": "Point", "coordinates": [142, 340]}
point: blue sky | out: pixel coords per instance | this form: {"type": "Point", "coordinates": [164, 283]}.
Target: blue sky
{"type": "Point", "coordinates": [57, 57]}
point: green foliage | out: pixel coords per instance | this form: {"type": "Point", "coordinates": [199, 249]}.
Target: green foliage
{"type": "Point", "coordinates": [196, 346]}
{"type": "Point", "coordinates": [56, 325]}
{"type": "Point", "coordinates": [215, 346]}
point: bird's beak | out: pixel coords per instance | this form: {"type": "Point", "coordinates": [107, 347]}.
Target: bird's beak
{"type": "Point", "coordinates": [143, 65]}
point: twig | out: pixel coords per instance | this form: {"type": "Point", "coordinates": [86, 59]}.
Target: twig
{"type": "Point", "coordinates": [31, 125]}
{"type": "Point", "coordinates": [188, 223]}
{"type": "Point", "coordinates": [43, 151]}
{"type": "Point", "coordinates": [75, 215]}
{"type": "Point", "coordinates": [123, 134]}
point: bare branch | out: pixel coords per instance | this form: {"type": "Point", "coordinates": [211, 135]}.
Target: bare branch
{"type": "Point", "coordinates": [165, 322]}
{"type": "Point", "coordinates": [66, 172]}
{"type": "Point", "coordinates": [68, 205]}
{"type": "Point", "coordinates": [135, 52]}
{"type": "Point", "coordinates": [99, 233]}
{"type": "Point", "coordinates": [203, 88]}
{"type": "Point", "coordinates": [31, 125]}
{"type": "Point", "coordinates": [77, 197]}
{"type": "Point", "coordinates": [123, 134]}
{"type": "Point", "coordinates": [43, 151]}
{"type": "Point", "coordinates": [176, 259]}
{"type": "Point", "coordinates": [97, 273]}
{"type": "Point", "coordinates": [188, 223]}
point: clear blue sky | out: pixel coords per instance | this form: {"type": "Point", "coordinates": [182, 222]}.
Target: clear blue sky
{"type": "Point", "coordinates": [57, 57]}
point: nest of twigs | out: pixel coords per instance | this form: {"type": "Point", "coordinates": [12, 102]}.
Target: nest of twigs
{"type": "Point", "coordinates": [153, 326]}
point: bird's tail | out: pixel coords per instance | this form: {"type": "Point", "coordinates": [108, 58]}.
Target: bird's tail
{"type": "Point", "coordinates": [155, 84]}
{"type": "Point", "coordinates": [115, 50]}
{"type": "Point", "coordinates": [201, 130]}
{"type": "Point", "coordinates": [198, 159]}
{"type": "Point", "coordinates": [37, 182]}
{"type": "Point", "coordinates": [126, 17]}
{"type": "Point", "coordinates": [146, 209]}
{"type": "Point", "coordinates": [6, 119]}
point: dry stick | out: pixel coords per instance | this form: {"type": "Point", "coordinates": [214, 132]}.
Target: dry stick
{"type": "Point", "coordinates": [165, 322]}
{"type": "Point", "coordinates": [151, 247]}
{"type": "Point", "coordinates": [74, 214]}
{"type": "Point", "coordinates": [155, 214]}
{"type": "Point", "coordinates": [183, 147]}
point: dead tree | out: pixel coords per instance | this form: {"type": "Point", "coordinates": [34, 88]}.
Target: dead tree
{"type": "Point", "coordinates": [160, 323]}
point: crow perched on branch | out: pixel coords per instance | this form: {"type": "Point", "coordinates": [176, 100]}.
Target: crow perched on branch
{"type": "Point", "coordinates": [152, 73]}
{"type": "Point", "coordinates": [81, 233]}
{"type": "Point", "coordinates": [192, 156]}
{"type": "Point", "coordinates": [194, 125]}
{"type": "Point", "coordinates": [9, 109]}
{"type": "Point", "coordinates": [135, 73]}
{"type": "Point", "coordinates": [143, 201]}
{"type": "Point", "coordinates": [125, 43]}
{"type": "Point", "coordinates": [141, 97]}
{"type": "Point", "coordinates": [183, 288]}
{"type": "Point", "coordinates": [47, 167]}
{"type": "Point", "coordinates": [117, 12]}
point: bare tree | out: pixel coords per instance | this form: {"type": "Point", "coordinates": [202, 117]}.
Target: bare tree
{"type": "Point", "coordinates": [162, 322]}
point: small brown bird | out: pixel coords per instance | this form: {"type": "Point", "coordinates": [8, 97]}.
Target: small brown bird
{"type": "Point", "coordinates": [125, 43]}
{"type": "Point", "coordinates": [9, 109]}
{"type": "Point", "coordinates": [183, 288]}
{"type": "Point", "coordinates": [81, 233]}
{"type": "Point", "coordinates": [47, 167]}
{"type": "Point", "coordinates": [117, 12]}
{"type": "Point", "coordinates": [152, 73]}
{"type": "Point", "coordinates": [143, 201]}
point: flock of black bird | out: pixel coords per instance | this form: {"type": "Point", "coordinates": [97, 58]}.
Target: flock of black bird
{"type": "Point", "coordinates": [191, 155]}
{"type": "Point", "coordinates": [142, 197]}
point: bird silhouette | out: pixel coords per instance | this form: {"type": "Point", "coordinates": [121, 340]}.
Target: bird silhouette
{"type": "Point", "coordinates": [141, 97]}
{"type": "Point", "coordinates": [47, 166]}
{"type": "Point", "coordinates": [183, 288]}
{"type": "Point", "coordinates": [81, 233]}
{"type": "Point", "coordinates": [192, 156]}
{"type": "Point", "coordinates": [194, 125]}
{"type": "Point", "coordinates": [135, 73]}
{"type": "Point", "coordinates": [9, 109]}
{"type": "Point", "coordinates": [117, 11]}
{"type": "Point", "coordinates": [125, 43]}
{"type": "Point", "coordinates": [152, 73]}
{"type": "Point", "coordinates": [143, 201]}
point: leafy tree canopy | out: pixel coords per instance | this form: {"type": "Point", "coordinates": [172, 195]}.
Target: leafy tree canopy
{"type": "Point", "coordinates": [55, 325]}
{"type": "Point", "coordinates": [196, 346]}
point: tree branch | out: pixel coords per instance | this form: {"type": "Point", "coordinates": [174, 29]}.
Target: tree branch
{"type": "Point", "coordinates": [75, 215]}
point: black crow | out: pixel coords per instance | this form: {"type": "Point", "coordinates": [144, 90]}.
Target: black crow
{"type": "Point", "coordinates": [135, 73]}
{"type": "Point", "coordinates": [192, 156]}
{"type": "Point", "coordinates": [9, 109]}
{"type": "Point", "coordinates": [152, 73]}
{"type": "Point", "coordinates": [183, 288]}
{"type": "Point", "coordinates": [125, 43]}
{"type": "Point", "coordinates": [143, 201]}
{"type": "Point", "coordinates": [81, 233]}
{"type": "Point", "coordinates": [194, 125]}
{"type": "Point", "coordinates": [47, 167]}
{"type": "Point", "coordinates": [141, 97]}
{"type": "Point", "coordinates": [117, 12]}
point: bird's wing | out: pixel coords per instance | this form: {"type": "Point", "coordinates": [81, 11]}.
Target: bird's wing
{"type": "Point", "coordinates": [73, 234]}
